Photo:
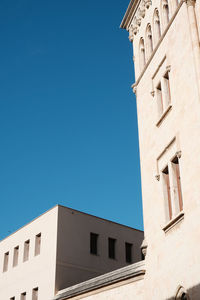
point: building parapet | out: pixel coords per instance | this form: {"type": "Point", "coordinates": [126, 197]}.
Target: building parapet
{"type": "Point", "coordinates": [134, 270]}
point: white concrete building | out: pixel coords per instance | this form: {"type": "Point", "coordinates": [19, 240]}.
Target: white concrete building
{"type": "Point", "coordinates": [61, 248]}
{"type": "Point", "coordinates": [166, 45]}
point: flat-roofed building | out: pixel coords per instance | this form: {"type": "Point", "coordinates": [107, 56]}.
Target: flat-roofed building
{"type": "Point", "coordinates": [61, 248]}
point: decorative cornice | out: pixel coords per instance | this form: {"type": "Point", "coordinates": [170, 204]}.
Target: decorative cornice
{"type": "Point", "coordinates": [140, 12]}
{"type": "Point", "coordinates": [159, 42]}
{"type": "Point", "coordinates": [133, 17]}
{"type": "Point", "coordinates": [128, 14]}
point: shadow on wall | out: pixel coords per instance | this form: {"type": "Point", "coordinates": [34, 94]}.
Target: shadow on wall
{"type": "Point", "coordinates": [190, 294]}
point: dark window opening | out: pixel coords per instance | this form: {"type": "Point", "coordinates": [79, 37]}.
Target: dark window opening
{"type": "Point", "coordinates": [142, 255]}
{"type": "Point", "coordinates": [93, 243]}
{"type": "Point", "coordinates": [128, 248]}
{"type": "Point", "coordinates": [111, 248]}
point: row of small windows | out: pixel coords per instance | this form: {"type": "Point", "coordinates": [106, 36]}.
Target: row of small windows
{"type": "Point", "coordinates": [23, 295]}
{"type": "Point", "coordinates": [111, 247]}
{"type": "Point", "coordinates": [25, 253]}
{"type": "Point", "coordinates": [147, 45]}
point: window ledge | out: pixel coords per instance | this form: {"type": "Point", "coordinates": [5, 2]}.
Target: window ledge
{"type": "Point", "coordinates": [174, 221]}
{"type": "Point", "coordinates": [164, 115]}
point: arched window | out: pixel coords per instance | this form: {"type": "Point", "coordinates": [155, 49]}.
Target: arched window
{"type": "Point", "coordinates": [165, 12]}
{"type": "Point", "coordinates": [149, 41]}
{"type": "Point", "coordinates": [156, 24]}
{"type": "Point", "coordinates": [142, 54]}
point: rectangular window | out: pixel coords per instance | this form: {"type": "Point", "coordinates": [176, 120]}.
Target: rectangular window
{"type": "Point", "coordinates": [35, 294]}
{"type": "Point", "coordinates": [15, 256]}
{"type": "Point", "coordinates": [94, 243]}
{"type": "Point", "coordinates": [111, 248]}
{"type": "Point", "coordinates": [5, 263]}
{"type": "Point", "coordinates": [23, 296]}
{"type": "Point", "coordinates": [26, 250]}
{"type": "Point", "coordinates": [178, 202]}
{"type": "Point", "coordinates": [166, 90]}
{"type": "Point", "coordinates": [159, 99]}
{"type": "Point", "coordinates": [166, 190]}
{"type": "Point", "coordinates": [37, 244]}
{"type": "Point", "coordinates": [128, 249]}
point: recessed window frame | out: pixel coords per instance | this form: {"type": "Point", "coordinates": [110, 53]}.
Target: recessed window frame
{"type": "Point", "coordinates": [94, 237]}
{"type": "Point", "coordinates": [26, 250]}
{"type": "Point", "coordinates": [16, 256]}
{"type": "Point", "coordinates": [112, 248]}
{"type": "Point", "coordinates": [6, 261]}
{"type": "Point", "coordinates": [23, 296]}
{"type": "Point", "coordinates": [38, 240]}
{"type": "Point", "coordinates": [35, 292]}
{"type": "Point", "coordinates": [128, 252]}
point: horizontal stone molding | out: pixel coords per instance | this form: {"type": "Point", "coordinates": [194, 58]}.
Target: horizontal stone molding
{"type": "Point", "coordinates": [134, 270]}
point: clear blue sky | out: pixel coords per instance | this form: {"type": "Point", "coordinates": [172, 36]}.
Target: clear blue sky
{"type": "Point", "coordinates": [68, 123]}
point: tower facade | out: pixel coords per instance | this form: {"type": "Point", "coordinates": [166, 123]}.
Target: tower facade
{"type": "Point", "coordinates": [166, 47]}
{"type": "Point", "coordinates": [165, 37]}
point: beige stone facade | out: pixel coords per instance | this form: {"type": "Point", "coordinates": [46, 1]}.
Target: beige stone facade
{"type": "Point", "coordinates": [57, 250]}
{"type": "Point", "coordinates": [166, 46]}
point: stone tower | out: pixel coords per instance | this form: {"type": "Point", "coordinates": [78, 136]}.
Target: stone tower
{"type": "Point", "coordinates": [165, 37]}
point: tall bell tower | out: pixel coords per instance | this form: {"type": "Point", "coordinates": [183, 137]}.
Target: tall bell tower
{"type": "Point", "coordinates": [166, 47]}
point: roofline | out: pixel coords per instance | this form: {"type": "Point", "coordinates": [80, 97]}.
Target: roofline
{"type": "Point", "coordinates": [58, 205]}
{"type": "Point", "coordinates": [30, 222]}
{"type": "Point", "coordinates": [131, 271]}
{"type": "Point", "coordinates": [127, 17]}
{"type": "Point", "coordinates": [82, 212]}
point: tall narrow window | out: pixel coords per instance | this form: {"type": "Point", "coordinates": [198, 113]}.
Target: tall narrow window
{"type": "Point", "coordinates": [166, 89]}
{"type": "Point", "coordinates": [142, 54]}
{"type": "Point", "coordinates": [178, 202]}
{"type": "Point", "coordinates": [165, 13]}
{"type": "Point", "coordinates": [128, 249]}
{"type": "Point", "coordinates": [35, 294]}
{"type": "Point", "coordinates": [167, 194]}
{"type": "Point", "coordinates": [149, 41]}
{"type": "Point", "coordinates": [111, 248]}
{"type": "Point", "coordinates": [26, 250]}
{"type": "Point", "coordinates": [5, 263]}
{"type": "Point", "coordinates": [23, 296]}
{"type": "Point", "coordinates": [157, 30]}
{"type": "Point", "coordinates": [15, 256]}
{"type": "Point", "coordinates": [159, 99]}
{"type": "Point", "coordinates": [37, 244]}
{"type": "Point", "coordinates": [94, 243]}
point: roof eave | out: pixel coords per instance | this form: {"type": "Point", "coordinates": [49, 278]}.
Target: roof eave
{"type": "Point", "coordinates": [128, 14]}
